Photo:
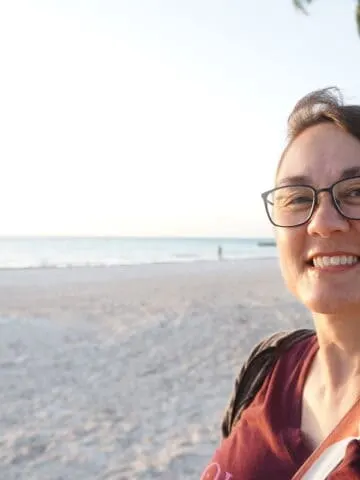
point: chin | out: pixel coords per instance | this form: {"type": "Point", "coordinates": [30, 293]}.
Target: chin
{"type": "Point", "coordinates": [326, 308]}
{"type": "Point", "coordinates": [330, 304]}
{"type": "Point", "coordinates": [330, 296]}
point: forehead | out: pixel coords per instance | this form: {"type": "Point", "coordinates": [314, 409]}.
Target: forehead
{"type": "Point", "coordinates": [322, 154]}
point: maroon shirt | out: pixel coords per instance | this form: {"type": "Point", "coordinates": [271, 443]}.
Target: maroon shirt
{"type": "Point", "coordinates": [267, 441]}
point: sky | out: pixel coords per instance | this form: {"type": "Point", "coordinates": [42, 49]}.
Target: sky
{"type": "Point", "coordinates": [157, 117]}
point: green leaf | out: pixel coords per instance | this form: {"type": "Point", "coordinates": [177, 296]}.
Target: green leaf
{"type": "Point", "coordinates": [299, 4]}
{"type": "Point", "coordinates": [303, 4]}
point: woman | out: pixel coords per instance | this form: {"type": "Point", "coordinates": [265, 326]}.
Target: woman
{"type": "Point", "coordinates": [315, 208]}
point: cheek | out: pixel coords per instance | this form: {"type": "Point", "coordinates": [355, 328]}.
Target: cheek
{"type": "Point", "coordinates": [356, 225]}
{"type": "Point", "coordinates": [290, 243]}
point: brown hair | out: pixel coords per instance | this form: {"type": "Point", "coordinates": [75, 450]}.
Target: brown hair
{"type": "Point", "coordinates": [321, 106]}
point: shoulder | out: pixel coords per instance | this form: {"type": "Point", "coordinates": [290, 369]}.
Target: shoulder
{"type": "Point", "coordinates": [252, 374]}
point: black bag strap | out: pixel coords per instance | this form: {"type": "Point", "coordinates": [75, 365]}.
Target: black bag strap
{"type": "Point", "coordinates": [254, 371]}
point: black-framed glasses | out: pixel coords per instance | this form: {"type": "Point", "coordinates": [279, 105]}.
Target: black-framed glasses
{"type": "Point", "coordinates": [293, 205]}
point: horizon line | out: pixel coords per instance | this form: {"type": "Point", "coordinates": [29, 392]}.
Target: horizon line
{"type": "Point", "coordinates": [74, 236]}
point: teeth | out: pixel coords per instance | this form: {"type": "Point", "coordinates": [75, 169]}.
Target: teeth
{"type": "Point", "coordinates": [343, 260]}
{"type": "Point", "coordinates": [335, 260]}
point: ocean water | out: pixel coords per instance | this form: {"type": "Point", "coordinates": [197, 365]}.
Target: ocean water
{"type": "Point", "coordinates": [62, 252]}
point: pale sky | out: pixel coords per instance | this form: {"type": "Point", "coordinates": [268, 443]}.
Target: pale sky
{"type": "Point", "coordinates": [156, 117]}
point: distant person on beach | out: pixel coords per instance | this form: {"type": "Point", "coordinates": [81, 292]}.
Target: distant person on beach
{"type": "Point", "coordinates": [220, 252]}
{"type": "Point", "coordinates": [296, 387]}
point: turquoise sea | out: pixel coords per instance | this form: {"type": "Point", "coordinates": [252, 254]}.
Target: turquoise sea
{"type": "Point", "coordinates": [62, 252]}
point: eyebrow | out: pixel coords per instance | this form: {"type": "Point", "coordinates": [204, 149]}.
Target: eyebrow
{"type": "Point", "coordinates": [305, 180]}
{"type": "Point", "coordinates": [350, 172]}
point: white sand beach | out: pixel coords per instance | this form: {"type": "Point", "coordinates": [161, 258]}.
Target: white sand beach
{"type": "Point", "coordinates": [123, 373]}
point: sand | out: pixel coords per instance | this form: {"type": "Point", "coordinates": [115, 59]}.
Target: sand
{"type": "Point", "coordinates": [124, 373]}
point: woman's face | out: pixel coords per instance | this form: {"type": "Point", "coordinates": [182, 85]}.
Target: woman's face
{"type": "Point", "coordinates": [321, 154]}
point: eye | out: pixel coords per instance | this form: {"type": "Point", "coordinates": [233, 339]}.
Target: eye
{"type": "Point", "coordinates": [350, 195]}
{"type": "Point", "coordinates": [293, 200]}
{"type": "Point", "coordinates": [300, 200]}
{"type": "Point", "coordinates": [348, 191]}
{"type": "Point", "coordinates": [355, 192]}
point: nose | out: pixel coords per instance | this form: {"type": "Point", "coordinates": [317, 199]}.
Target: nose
{"type": "Point", "coordinates": [326, 220]}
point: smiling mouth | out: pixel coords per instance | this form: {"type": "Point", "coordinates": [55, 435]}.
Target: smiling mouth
{"type": "Point", "coordinates": [325, 261]}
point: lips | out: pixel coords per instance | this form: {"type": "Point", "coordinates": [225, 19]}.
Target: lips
{"type": "Point", "coordinates": [333, 260]}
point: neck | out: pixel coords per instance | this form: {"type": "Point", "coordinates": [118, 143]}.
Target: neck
{"type": "Point", "coordinates": [339, 351]}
